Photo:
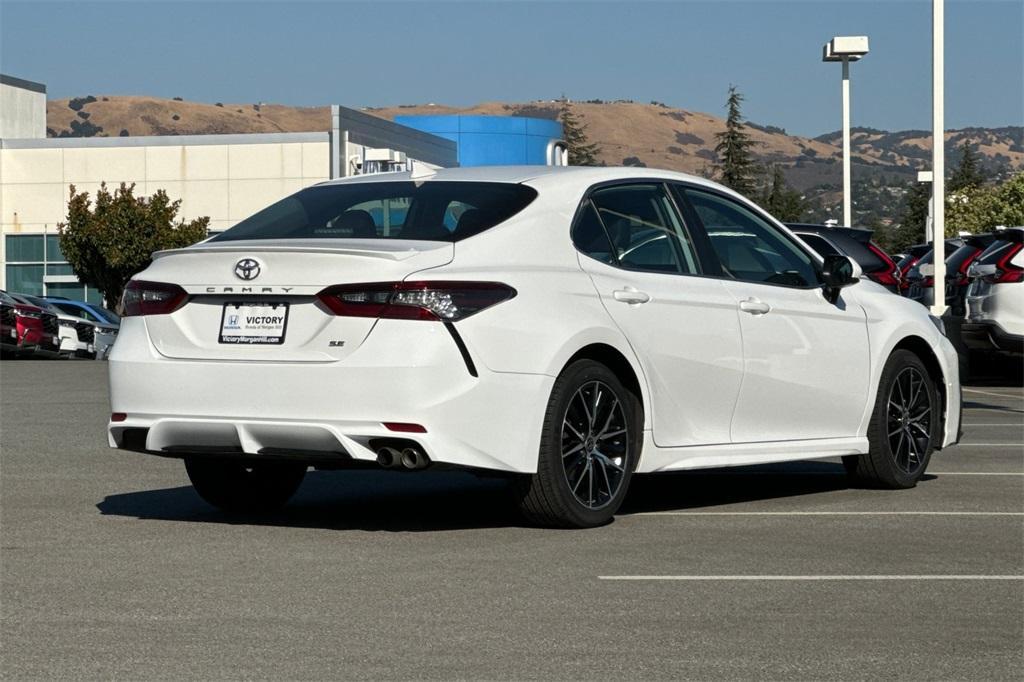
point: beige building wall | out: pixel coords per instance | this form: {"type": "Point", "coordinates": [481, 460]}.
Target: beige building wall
{"type": "Point", "coordinates": [226, 182]}
{"type": "Point", "coordinates": [22, 108]}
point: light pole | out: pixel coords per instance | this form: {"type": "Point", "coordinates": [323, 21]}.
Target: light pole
{"type": "Point", "coordinates": [845, 49]}
{"type": "Point", "coordinates": [938, 158]}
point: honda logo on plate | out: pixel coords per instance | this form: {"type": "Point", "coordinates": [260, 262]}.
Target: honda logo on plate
{"type": "Point", "coordinates": [247, 269]}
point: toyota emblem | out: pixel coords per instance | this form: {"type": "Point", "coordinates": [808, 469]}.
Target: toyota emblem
{"type": "Point", "coordinates": [247, 269]}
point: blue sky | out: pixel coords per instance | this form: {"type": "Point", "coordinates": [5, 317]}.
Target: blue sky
{"type": "Point", "coordinates": [684, 53]}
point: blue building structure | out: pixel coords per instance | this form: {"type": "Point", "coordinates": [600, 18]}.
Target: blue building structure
{"type": "Point", "coordinates": [496, 140]}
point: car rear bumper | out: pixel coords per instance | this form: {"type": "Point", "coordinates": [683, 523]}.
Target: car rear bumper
{"type": "Point", "coordinates": [406, 372]}
{"type": "Point", "coordinates": [990, 336]}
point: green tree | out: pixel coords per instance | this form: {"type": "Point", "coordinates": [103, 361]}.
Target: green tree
{"type": "Point", "coordinates": [968, 172]}
{"type": "Point", "coordinates": [781, 200]}
{"type": "Point", "coordinates": [914, 217]}
{"type": "Point", "coordinates": [111, 239]}
{"type": "Point", "coordinates": [736, 166]}
{"type": "Point", "coordinates": [582, 152]}
{"type": "Point", "coordinates": [981, 209]}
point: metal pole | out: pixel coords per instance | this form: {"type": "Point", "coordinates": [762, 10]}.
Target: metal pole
{"type": "Point", "coordinates": [938, 158]}
{"type": "Point", "coordinates": [846, 143]}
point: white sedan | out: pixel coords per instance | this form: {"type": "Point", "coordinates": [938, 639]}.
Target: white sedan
{"type": "Point", "coordinates": [569, 326]}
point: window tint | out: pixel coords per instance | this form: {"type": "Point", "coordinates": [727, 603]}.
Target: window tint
{"type": "Point", "coordinates": [749, 248]}
{"type": "Point", "coordinates": [440, 211]}
{"type": "Point", "coordinates": [823, 246]}
{"type": "Point", "coordinates": [645, 232]}
{"type": "Point", "coordinates": [588, 235]}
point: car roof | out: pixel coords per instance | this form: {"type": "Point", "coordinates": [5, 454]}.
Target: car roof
{"type": "Point", "coordinates": [530, 174]}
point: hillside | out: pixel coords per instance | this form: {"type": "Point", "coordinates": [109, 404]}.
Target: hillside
{"type": "Point", "coordinates": [629, 133]}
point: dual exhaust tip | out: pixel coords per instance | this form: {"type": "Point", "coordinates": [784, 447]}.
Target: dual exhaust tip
{"type": "Point", "coordinates": [409, 458]}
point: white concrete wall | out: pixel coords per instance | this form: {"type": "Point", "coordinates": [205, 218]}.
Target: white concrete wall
{"type": "Point", "coordinates": [226, 182]}
{"type": "Point", "coordinates": [22, 113]}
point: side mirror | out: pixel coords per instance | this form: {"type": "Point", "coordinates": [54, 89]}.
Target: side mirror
{"type": "Point", "coordinates": [838, 272]}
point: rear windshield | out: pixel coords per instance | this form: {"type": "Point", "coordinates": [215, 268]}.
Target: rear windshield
{"type": "Point", "coordinates": [995, 252]}
{"type": "Point", "coordinates": [437, 211]}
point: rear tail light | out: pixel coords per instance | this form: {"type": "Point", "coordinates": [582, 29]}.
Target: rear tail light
{"type": "Point", "coordinates": [1005, 270]}
{"type": "Point", "coordinates": [444, 301]}
{"type": "Point", "coordinates": [890, 275]}
{"type": "Point", "coordinates": [961, 278]}
{"type": "Point", "coordinates": [151, 298]}
{"type": "Point", "coordinates": [904, 283]}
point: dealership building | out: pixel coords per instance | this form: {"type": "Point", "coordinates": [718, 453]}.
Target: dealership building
{"type": "Point", "coordinates": [223, 177]}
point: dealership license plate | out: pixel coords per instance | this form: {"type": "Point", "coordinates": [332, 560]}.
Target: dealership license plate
{"type": "Point", "coordinates": [253, 323]}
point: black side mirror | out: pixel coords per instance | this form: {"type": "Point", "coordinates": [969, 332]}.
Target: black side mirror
{"type": "Point", "coordinates": [837, 272]}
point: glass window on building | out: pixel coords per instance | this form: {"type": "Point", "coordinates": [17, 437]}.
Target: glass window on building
{"type": "Point", "coordinates": [33, 261]}
{"type": "Point", "coordinates": [25, 248]}
{"type": "Point", "coordinates": [26, 279]}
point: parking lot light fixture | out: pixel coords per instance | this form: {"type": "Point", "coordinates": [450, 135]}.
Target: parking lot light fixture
{"type": "Point", "coordinates": [845, 49]}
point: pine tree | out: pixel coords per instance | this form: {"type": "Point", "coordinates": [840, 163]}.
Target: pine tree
{"type": "Point", "coordinates": [968, 172]}
{"type": "Point", "coordinates": [582, 152]}
{"type": "Point", "coordinates": [736, 167]}
{"type": "Point", "coordinates": [782, 201]}
{"type": "Point", "coordinates": [914, 217]}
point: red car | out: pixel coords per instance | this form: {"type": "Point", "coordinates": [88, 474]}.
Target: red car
{"type": "Point", "coordinates": [27, 329]}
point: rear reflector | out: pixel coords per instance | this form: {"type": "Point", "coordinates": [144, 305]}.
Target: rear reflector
{"type": "Point", "coordinates": [403, 427]}
{"type": "Point", "coordinates": [445, 301]}
{"type": "Point", "coordinates": [118, 416]}
{"type": "Point", "coordinates": [151, 298]}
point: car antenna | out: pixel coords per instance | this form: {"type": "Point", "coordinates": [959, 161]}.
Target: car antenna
{"type": "Point", "coordinates": [421, 172]}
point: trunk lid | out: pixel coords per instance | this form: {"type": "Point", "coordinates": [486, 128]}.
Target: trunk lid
{"type": "Point", "coordinates": [278, 272]}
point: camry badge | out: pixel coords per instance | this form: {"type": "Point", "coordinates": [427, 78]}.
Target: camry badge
{"type": "Point", "coordinates": [247, 269]}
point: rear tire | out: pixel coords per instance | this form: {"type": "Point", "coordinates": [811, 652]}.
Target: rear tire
{"type": "Point", "coordinates": [590, 444]}
{"type": "Point", "coordinates": [904, 426]}
{"type": "Point", "coordinates": [245, 487]}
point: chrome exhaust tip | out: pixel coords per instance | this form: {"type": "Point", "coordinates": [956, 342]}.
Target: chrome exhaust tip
{"type": "Point", "coordinates": [414, 458]}
{"type": "Point", "coordinates": [389, 457]}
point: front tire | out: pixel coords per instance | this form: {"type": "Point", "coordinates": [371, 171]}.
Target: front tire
{"type": "Point", "coordinates": [904, 426]}
{"type": "Point", "coordinates": [245, 487]}
{"type": "Point", "coordinates": [589, 447]}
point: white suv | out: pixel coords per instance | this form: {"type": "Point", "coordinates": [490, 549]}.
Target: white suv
{"type": "Point", "coordinates": [568, 326]}
{"type": "Point", "coordinates": [995, 297]}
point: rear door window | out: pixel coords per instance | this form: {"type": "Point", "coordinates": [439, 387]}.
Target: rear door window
{"type": "Point", "coordinates": [438, 211]}
{"type": "Point", "coordinates": [643, 229]}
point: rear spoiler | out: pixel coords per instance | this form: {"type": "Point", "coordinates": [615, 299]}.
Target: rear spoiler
{"type": "Point", "coordinates": [1013, 234]}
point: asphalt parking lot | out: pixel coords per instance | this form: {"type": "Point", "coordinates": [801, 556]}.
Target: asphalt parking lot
{"type": "Point", "coordinates": [113, 568]}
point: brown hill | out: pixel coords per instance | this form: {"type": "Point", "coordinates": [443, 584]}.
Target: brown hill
{"type": "Point", "coordinates": [629, 133]}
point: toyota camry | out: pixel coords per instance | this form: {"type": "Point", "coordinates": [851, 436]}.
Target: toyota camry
{"type": "Point", "coordinates": [567, 326]}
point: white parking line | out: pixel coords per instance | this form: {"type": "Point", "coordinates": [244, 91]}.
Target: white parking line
{"type": "Point", "coordinates": [831, 513]}
{"type": "Point", "coordinates": [992, 445]}
{"type": "Point", "coordinates": [1019, 425]}
{"type": "Point", "coordinates": [976, 473]}
{"type": "Point", "coordinates": [808, 577]}
{"type": "Point", "coordinates": [998, 395]}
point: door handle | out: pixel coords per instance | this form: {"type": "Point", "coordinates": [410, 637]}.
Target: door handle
{"type": "Point", "coordinates": [630, 295]}
{"type": "Point", "coordinates": [754, 306]}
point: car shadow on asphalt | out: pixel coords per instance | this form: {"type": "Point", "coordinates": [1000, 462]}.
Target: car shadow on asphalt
{"type": "Point", "coordinates": [978, 405]}
{"type": "Point", "coordinates": [452, 500]}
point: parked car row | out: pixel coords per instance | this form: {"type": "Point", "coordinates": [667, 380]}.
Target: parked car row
{"type": "Point", "coordinates": [985, 311]}
{"type": "Point", "coordinates": [38, 327]}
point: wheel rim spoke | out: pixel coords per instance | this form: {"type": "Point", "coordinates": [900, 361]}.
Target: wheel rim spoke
{"type": "Point", "coordinates": [908, 419]}
{"type": "Point", "coordinates": [595, 444]}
